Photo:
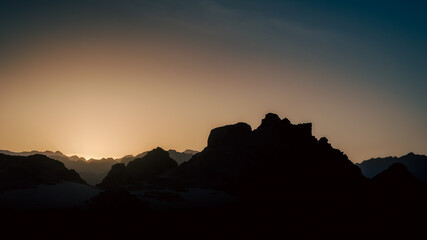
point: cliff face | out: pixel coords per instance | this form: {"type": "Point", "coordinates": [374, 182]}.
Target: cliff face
{"type": "Point", "coordinates": [24, 172]}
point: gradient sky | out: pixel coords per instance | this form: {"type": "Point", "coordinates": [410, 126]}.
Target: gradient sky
{"type": "Point", "coordinates": [110, 78]}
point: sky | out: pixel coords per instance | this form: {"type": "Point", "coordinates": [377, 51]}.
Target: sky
{"type": "Point", "coordinates": [110, 78]}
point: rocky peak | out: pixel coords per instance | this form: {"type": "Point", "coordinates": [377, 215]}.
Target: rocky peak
{"type": "Point", "coordinates": [157, 153]}
{"type": "Point", "coordinates": [271, 120]}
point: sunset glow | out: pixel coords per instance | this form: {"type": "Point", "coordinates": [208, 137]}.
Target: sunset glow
{"type": "Point", "coordinates": [96, 88]}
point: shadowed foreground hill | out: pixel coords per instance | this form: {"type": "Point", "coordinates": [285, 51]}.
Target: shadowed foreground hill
{"type": "Point", "coordinates": [24, 172]}
{"type": "Point", "coordinates": [417, 165]}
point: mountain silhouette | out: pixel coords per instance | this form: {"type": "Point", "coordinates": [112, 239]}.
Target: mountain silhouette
{"type": "Point", "coordinates": [276, 154]}
{"type": "Point", "coordinates": [281, 171]}
{"type": "Point", "coordinates": [154, 163]}
{"type": "Point", "coordinates": [277, 180]}
{"type": "Point", "coordinates": [417, 165]}
{"type": "Point", "coordinates": [93, 171]}
{"type": "Point", "coordinates": [25, 172]}
{"type": "Point", "coordinates": [237, 159]}
{"type": "Point", "coordinates": [276, 171]}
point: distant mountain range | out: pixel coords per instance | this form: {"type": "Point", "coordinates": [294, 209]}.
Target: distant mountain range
{"type": "Point", "coordinates": [94, 170]}
{"type": "Point", "coordinates": [416, 164]}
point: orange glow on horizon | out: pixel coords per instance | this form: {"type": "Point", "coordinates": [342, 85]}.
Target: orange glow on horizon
{"type": "Point", "coordinates": [110, 99]}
